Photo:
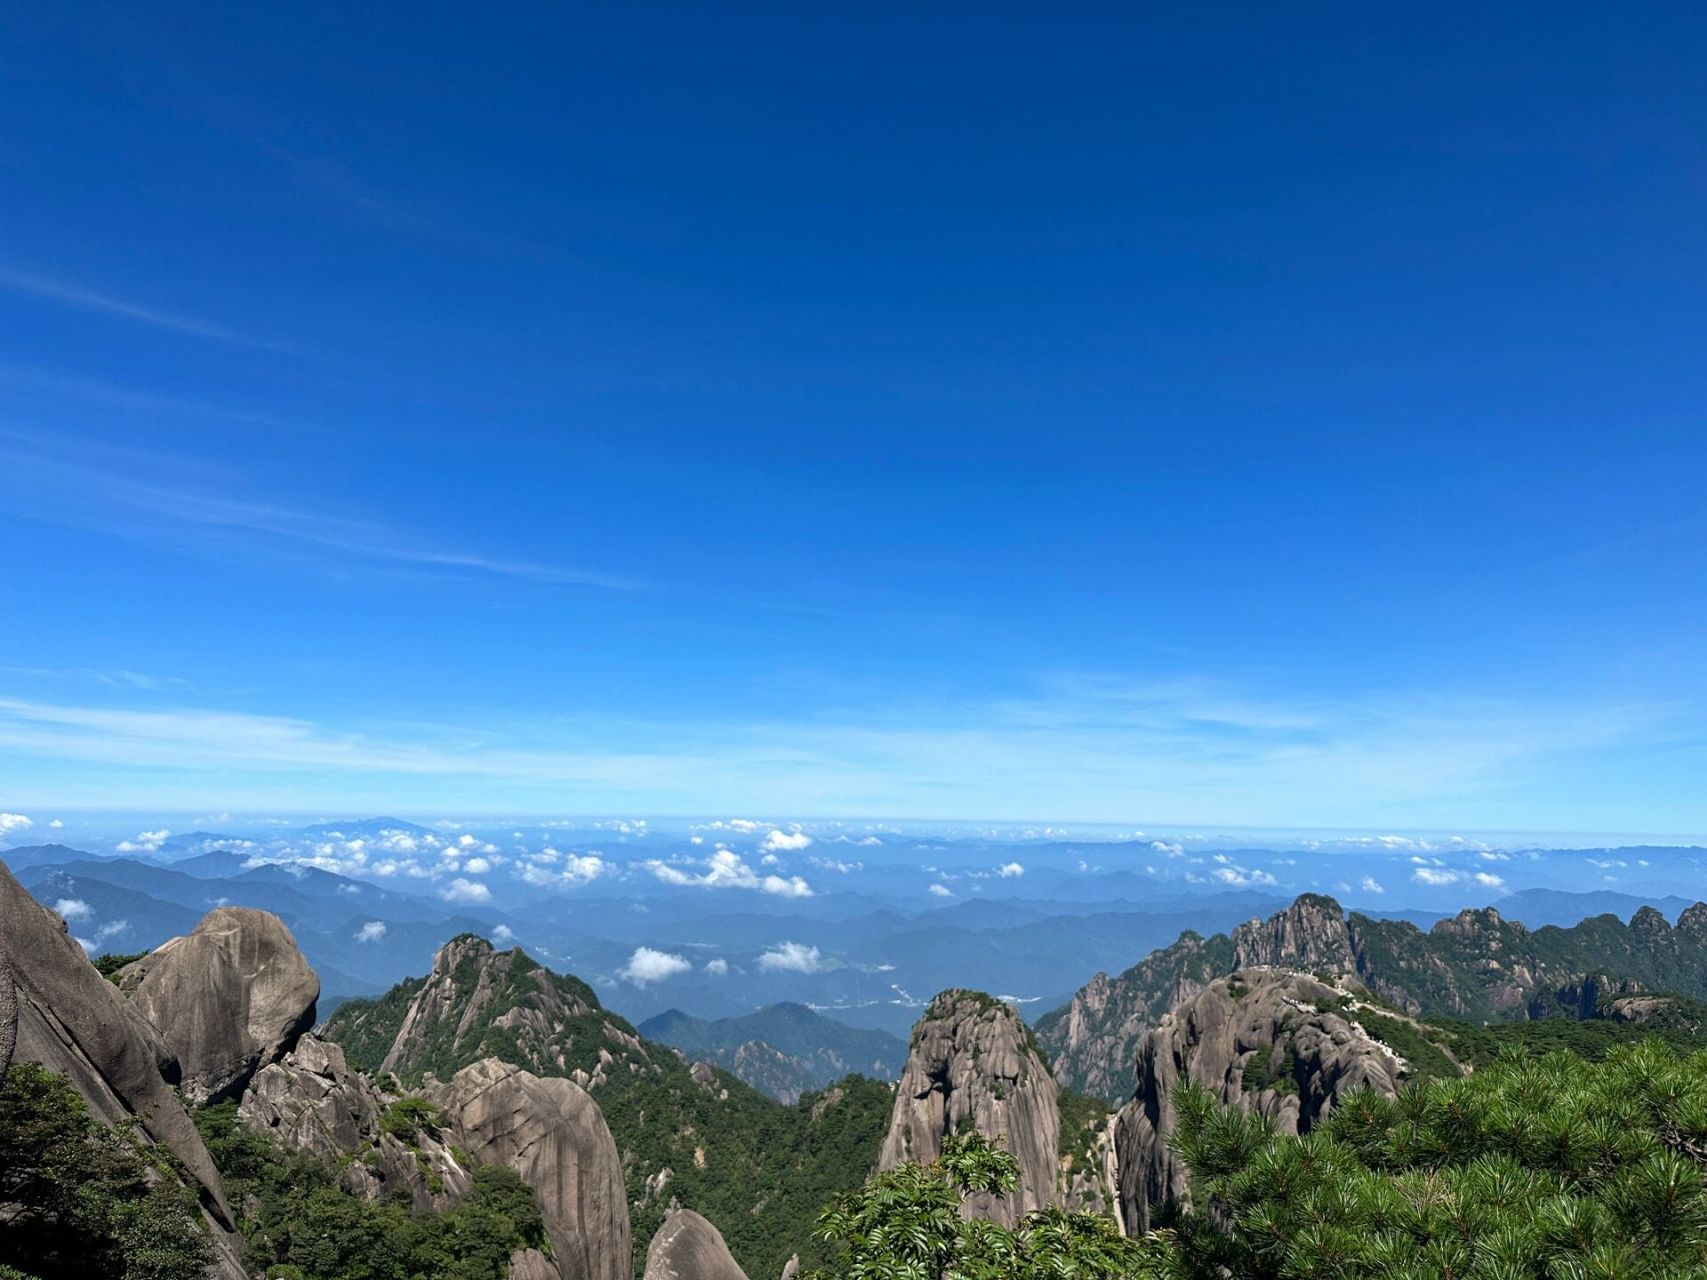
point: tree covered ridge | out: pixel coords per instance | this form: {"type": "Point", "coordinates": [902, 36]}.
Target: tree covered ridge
{"type": "Point", "coordinates": [756, 1169]}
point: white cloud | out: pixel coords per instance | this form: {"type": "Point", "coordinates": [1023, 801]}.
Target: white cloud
{"type": "Point", "coordinates": [460, 890]}
{"type": "Point", "coordinates": [836, 865]}
{"type": "Point", "coordinates": [10, 822]}
{"type": "Point", "coordinates": [718, 967]}
{"type": "Point", "coordinates": [726, 870]}
{"type": "Point", "coordinates": [940, 891]}
{"type": "Point", "coordinates": [372, 931]}
{"type": "Point", "coordinates": [1168, 850]}
{"type": "Point", "coordinates": [783, 842]}
{"type": "Point", "coordinates": [477, 866]}
{"type": "Point", "coordinates": [549, 868]}
{"type": "Point", "coordinates": [56, 824]}
{"type": "Point", "coordinates": [111, 929]}
{"type": "Point", "coordinates": [647, 965]}
{"type": "Point", "coordinates": [145, 842]}
{"type": "Point", "coordinates": [792, 957]}
{"type": "Point", "coordinates": [74, 909]}
{"type": "Point", "coordinates": [1369, 884]}
{"type": "Point", "coordinates": [504, 934]}
{"type": "Point", "coordinates": [1434, 876]}
{"type": "Point", "coordinates": [1244, 877]}
{"type": "Point", "coordinates": [1489, 881]}
{"type": "Point", "coordinates": [1009, 870]}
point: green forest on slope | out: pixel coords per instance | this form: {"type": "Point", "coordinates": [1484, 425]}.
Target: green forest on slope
{"type": "Point", "coordinates": [757, 1169]}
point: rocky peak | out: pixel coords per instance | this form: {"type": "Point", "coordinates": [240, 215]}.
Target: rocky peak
{"type": "Point", "coordinates": [1477, 923]}
{"type": "Point", "coordinates": [687, 1247]}
{"type": "Point", "coordinates": [974, 1065]}
{"type": "Point", "coordinates": [228, 998]}
{"type": "Point", "coordinates": [1650, 923]}
{"type": "Point", "coordinates": [1694, 919]}
{"type": "Point", "coordinates": [1277, 1042]}
{"type": "Point", "coordinates": [1309, 934]}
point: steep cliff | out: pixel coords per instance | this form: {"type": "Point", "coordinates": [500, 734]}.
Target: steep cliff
{"type": "Point", "coordinates": [974, 1064]}
{"type": "Point", "coordinates": [552, 1134]}
{"type": "Point", "coordinates": [75, 1023]}
{"type": "Point", "coordinates": [1094, 1040]}
{"type": "Point", "coordinates": [687, 1247]}
{"type": "Point", "coordinates": [228, 998]}
{"type": "Point", "coordinates": [1280, 1043]}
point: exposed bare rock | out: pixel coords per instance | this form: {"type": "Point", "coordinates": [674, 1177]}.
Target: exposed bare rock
{"type": "Point", "coordinates": [313, 1100]}
{"type": "Point", "coordinates": [687, 1247]}
{"type": "Point", "coordinates": [1090, 1174]}
{"type": "Point", "coordinates": [74, 1022]}
{"type": "Point", "coordinates": [974, 1064]}
{"type": "Point", "coordinates": [1276, 1042]}
{"type": "Point", "coordinates": [1093, 1042]}
{"type": "Point", "coordinates": [1309, 934]}
{"type": "Point", "coordinates": [531, 1264]}
{"type": "Point", "coordinates": [553, 1134]}
{"type": "Point", "coordinates": [791, 1268]}
{"type": "Point", "coordinates": [8, 1018]}
{"type": "Point", "coordinates": [230, 997]}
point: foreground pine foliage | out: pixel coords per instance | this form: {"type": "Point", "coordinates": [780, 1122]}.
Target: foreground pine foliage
{"type": "Point", "coordinates": [1534, 1168]}
{"type": "Point", "coordinates": [906, 1225]}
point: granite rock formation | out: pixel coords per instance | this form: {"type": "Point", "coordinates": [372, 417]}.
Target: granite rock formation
{"type": "Point", "coordinates": [228, 998]}
{"type": "Point", "coordinates": [72, 1021]}
{"type": "Point", "coordinates": [687, 1247]}
{"type": "Point", "coordinates": [1280, 1043]}
{"type": "Point", "coordinates": [552, 1133]}
{"type": "Point", "coordinates": [974, 1064]}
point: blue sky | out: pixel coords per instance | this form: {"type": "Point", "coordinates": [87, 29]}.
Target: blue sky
{"type": "Point", "coordinates": [1234, 416]}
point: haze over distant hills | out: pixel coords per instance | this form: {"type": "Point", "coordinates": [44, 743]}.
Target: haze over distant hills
{"type": "Point", "coordinates": [861, 923]}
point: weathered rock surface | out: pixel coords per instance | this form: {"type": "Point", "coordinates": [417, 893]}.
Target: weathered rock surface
{"type": "Point", "coordinates": [531, 1264]}
{"type": "Point", "coordinates": [313, 1100]}
{"type": "Point", "coordinates": [974, 1064]}
{"type": "Point", "coordinates": [1280, 1043]}
{"type": "Point", "coordinates": [74, 1022]}
{"type": "Point", "coordinates": [228, 998]}
{"type": "Point", "coordinates": [553, 1134]}
{"type": "Point", "coordinates": [8, 1018]}
{"type": "Point", "coordinates": [1094, 1041]}
{"type": "Point", "coordinates": [687, 1247]}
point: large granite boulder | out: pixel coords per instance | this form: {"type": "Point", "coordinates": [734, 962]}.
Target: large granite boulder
{"type": "Point", "coordinates": [72, 1021]}
{"type": "Point", "coordinates": [232, 996]}
{"type": "Point", "coordinates": [552, 1133]}
{"type": "Point", "coordinates": [1285, 1045]}
{"type": "Point", "coordinates": [974, 1064]}
{"type": "Point", "coordinates": [687, 1247]}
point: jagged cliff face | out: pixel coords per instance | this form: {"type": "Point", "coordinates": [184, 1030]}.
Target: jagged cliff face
{"type": "Point", "coordinates": [232, 996]}
{"type": "Point", "coordinates": [1094, 1041]}
{"type": "Point", "coordinates": [74, 1022]}
{"type": "Point", "coordinates": [314, 1101]}
{"type": "Point", "coordinates": [1474, 965]}
{"type": "Point", "coordinates": [974, 1065]}
{"type": "Point", "coordinates": [1268, 1040]}
{"type": "Point", "coordinates": [687, 1247]}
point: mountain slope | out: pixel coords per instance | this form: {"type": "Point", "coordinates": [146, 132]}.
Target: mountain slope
{"type": "Point", "coordinates": [758, 1170]}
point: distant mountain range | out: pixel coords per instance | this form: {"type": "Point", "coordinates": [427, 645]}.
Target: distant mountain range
{"type": "Point", "coordinates": [784, 1050]}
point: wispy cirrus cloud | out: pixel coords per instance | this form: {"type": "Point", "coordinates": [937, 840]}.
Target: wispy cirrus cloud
{"type": "Point", "coordinates": [1372, 763]}
{"type": "Point", "coordinates": [47, 485]}
{"type": "Point", "coordinates": [84, 298]}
